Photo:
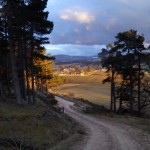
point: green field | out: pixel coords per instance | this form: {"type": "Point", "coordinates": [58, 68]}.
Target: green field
{"type": "Point", "coordinates": [87, 87]}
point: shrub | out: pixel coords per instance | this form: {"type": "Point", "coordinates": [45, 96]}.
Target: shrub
{"type": "Point", "coordinates": [52, 99]}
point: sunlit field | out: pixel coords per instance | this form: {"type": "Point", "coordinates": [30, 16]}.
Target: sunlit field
{"type": "Point", "coordinates": [87, 87]}
{"type": "Point", "coordinates": [93, 79]}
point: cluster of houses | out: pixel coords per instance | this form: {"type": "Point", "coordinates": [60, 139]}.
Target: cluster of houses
{"type": "Point", "coordinates": [76, 70]}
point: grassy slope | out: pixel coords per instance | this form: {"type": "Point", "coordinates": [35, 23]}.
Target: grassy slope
{"type": "Point", "coordinates": [30, 126]}
{"type": "Point", "coordinates": [137, 122]}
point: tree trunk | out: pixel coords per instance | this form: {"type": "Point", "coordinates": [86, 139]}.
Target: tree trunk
{"type": "Point", "coordinates": [139, 86]}
{"type": "Point", "coordinates": [131, 95]}
{"type": "Point", "coordinates": [33, 89]}
{"type": "Point", "coordinates": [120, 106]}
{"type": "Point", "coordinates": [2, 92]}
{"type": "Point", "coordinates": [32, 66]}
{"type": "Point", "coordinates": [15, 76]}
{"type": "Point", "coordinates": [21, 54]}
{"type": "Point", "coordinates": [12, 58]}
{"type": "Point", "coordinates": [113, 101]}
{"type": "Point", "coordinates": [113, 90]}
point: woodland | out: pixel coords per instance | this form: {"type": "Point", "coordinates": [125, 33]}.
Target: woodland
{"type": "Point", "coordinates": [24, 66]}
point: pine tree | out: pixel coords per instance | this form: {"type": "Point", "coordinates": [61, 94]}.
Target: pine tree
{"type": "Point", "coordinates": [125, 58]}
{"type": "Point", "coordinates": [23, 25]}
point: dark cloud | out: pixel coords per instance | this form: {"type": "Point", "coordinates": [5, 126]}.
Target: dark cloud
{"type": "Point", "coordinates": [103, 16]}
{"type": "Point", "coordinates": [89, 22]}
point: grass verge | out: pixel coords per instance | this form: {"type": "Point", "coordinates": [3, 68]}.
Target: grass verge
{"type": "Point", "coordinates": [136, 122]}
{"type": "Point", "coordinates": [34, 127]}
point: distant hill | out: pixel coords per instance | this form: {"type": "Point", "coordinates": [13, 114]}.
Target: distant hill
{"type": "Point", "coordinates": [66, 59]}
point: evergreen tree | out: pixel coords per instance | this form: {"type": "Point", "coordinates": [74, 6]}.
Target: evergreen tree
{"type": "Point", "coordinates": [125, 58]}
{"type": "Point", "coordinates": [23, 24]}
{"type": "Point", "coordinates": [130, 43]}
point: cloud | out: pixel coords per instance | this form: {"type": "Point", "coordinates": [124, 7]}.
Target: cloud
{"type": "Point", "coordinates": [97, 22]}
{"type": "Point", "coordinates": [76, 30]}
{"type": "Point", "coordinates": [88, 28]}
{"type": "Point", "coordinates": [77, 15]}
{"type": "Point", "coordinates": [123, 1]}
{"type": "Point", "coordinates": [111, 23]}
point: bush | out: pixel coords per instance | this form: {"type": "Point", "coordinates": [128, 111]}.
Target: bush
{"type": "Point", "coordinates": [52, 99]}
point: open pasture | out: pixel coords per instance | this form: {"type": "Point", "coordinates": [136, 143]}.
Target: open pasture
{"type": "Point", "coordinates": [87, 87]}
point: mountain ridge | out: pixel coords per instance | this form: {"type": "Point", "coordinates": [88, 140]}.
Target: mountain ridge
{"type": "Point", "coordinates": [62, 59]}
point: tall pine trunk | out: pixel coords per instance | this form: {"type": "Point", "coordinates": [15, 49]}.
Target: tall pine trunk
{"type": "Point", "coordinates": [22, 67]}
{"type": "Point", "coordinates": [15, 76]}
{"type": "Point", "coordinates": [27, 76]}
{"type": "Point", "coordinates": [131, 94]}
{"type": "Point", "coordinates": [32, 66]}
{"type": "Point", "coordinates": [12, 58]}
{"type": "Point", "coordinates": [113, 100]}
{"type": "Point", "coordinates": [139, 85]}
{"type": "Point", "coordinates": [2, 92]}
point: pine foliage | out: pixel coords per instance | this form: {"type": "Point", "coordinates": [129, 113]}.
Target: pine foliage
{"type": "Point", "coordinates": [23, 26]}
{"type": "Point", "coordinates": [126, 61]}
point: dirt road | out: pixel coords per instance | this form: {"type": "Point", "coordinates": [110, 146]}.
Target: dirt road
{"type": "Point", "coordinates": [106, 135]}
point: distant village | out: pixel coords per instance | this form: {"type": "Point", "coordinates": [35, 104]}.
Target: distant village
{"type": "Point", "coordinates": [76, 69]}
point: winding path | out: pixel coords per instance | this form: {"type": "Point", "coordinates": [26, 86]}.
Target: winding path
{"type": "Point", "coordinates": [104, 134]}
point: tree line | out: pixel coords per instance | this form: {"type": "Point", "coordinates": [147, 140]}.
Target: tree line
{"type": "Point", "coordinates": [128, 67]}
{"type": "Point", "coordinates": [24, 66]}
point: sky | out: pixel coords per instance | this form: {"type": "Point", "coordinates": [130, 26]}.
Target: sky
{"type": "Point", "coordinates": [83, 27]}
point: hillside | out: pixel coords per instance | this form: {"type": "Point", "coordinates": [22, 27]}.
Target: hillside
{"type": "Point", "coordinates": [35, 127]}
{"type": "Point", "coordinates": [66, 59]}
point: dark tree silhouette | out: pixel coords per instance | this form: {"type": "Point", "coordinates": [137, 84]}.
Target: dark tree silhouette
{"type": "Point", "coordinates": [125, 58]}
{"type": "Point", "coordinates": [23, 25]}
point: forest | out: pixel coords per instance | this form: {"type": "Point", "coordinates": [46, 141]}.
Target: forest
{"type": "Point", "coordinates": [24, 65]}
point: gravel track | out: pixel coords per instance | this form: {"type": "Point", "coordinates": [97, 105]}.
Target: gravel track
{"type": "Point", "coordinates": [103, 134]}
